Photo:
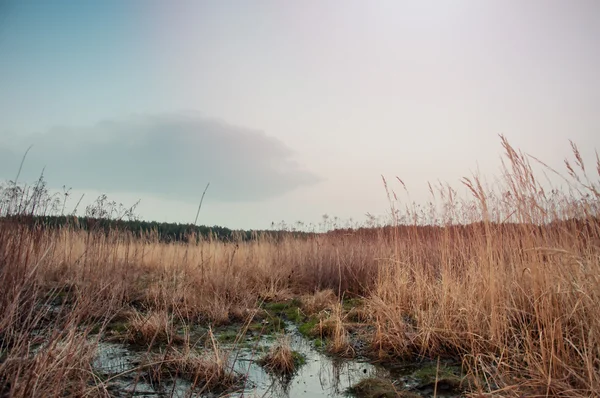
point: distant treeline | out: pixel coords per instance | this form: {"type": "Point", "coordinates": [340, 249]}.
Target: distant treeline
{"type": "Point", "coordinates": [165, 232]}
{"type": "Point", "coordinates": [586, 229]}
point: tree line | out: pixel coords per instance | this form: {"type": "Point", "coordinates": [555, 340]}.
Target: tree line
{"type": "Point", "coordinates": [163, 231]}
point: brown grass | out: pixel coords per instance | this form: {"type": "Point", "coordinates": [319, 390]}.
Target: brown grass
{"type": "Point", "coordinates": [281, 359]}
{"type": "Point", "coordinates": [374, 387]}
{"type": "Point", "coordinates": [333, 328]}
{"type": "Point", "coordinates": [63, 365]}
{"type": "Point", "coordinates": [508, 281]}
{"type": "Point", "coordinates": [314, 303]}
{"type": "Point", "coordinates": [149, 329]}
{"type": "Point", "coordinates": [208, 372]}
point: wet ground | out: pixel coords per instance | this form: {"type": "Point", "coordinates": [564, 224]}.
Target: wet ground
{"type": "Point", "coordinates": [321, 375]}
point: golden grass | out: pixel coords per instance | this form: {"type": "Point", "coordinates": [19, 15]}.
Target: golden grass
{"type": "Point", "coordinates": [62, 366]}
{"type": "Point", "coordinates": [150, 329]}
{"type": "Point", "coordinates": [208, 372]}
{"type": "Point", "coordinates": [509, 282]}
{"type": "Point", "coordinates": [333, 328]}
{"type": "Point", "coordinates": [314, 303]}
{"type": "Point", "coordinates": [374, 387]}
{"type": "Point", "coordinates": [281, 359]}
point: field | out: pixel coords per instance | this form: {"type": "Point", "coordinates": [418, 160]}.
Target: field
{"type": "Point", "coordinates": [502, 288]}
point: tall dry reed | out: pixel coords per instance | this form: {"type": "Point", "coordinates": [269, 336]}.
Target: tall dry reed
{"type": "Point", "coordinates": [508, 281]}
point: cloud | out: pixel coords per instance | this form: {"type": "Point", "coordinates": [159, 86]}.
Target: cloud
{"type": "Point", "coordinates": [165, 155]}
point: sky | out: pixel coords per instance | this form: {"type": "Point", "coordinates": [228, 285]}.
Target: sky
{"type": "Point", "coordinates": [290, 110]}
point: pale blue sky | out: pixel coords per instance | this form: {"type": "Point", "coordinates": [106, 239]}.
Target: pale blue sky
{"type": "Point", "coordinates": [290, 109]}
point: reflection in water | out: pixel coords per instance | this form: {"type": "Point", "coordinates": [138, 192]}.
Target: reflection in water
{"type": "Point", "coordinates": [320, 376]}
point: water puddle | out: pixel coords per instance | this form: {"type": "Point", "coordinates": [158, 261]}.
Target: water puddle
{"type": "Point", "coordinates": [118, 365]}
{"type": "Point", "coordinates": [320, 376]}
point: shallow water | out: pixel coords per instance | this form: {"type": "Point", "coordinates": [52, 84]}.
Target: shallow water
{"type": "Point", "coordinates": [119, 363]}
{"type": "Point", "coordinates": [320, 376]}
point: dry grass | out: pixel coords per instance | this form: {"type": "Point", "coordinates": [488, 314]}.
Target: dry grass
{"type": "Point", "coordinates": [374, 387]}
{"type": "Point", "coordinates": [62, 366]}
{"type": "Point", "coordinates": [508, 281]}
{"type": "Point", "coordinates": [208, 372]}
{"type": "Point", "coordinates": [281, 359]}
{"type": "Point", "coordinates": [151, 329]}
{"type": "Point", "coordinates": [333, 328]}
{"type": "Point", "coordinates": [359, 314]}
{"type": "Point", "coordinates": [312, 304]}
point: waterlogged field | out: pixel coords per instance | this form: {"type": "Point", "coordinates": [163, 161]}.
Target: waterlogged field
{"type": "Point", "coordinates": [495, 296]}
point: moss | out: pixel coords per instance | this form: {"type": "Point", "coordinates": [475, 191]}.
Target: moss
{"type": "Point", "coordinates": [275, 312]}
{"type": "Point", "coordinates": [428, 373]}
{"type": "Point", "coordinates": [294, 314]}
{"type": "Point", "coordinates": [277, 306]}
{"type": "Point", "coordinates": [377, 387]}
{"type": "Point", "coordinates": [299, 359]}
{"type": "Point", "coordinates": [320, 343]}
{"type": "Point", "coordinates": [374, 387]}
{"type": "Point", "coordinates": [308, 328]}
{"type": "Point", "coordinates": [445, 377]}
{"type": "Point", "coordinates": [351, 303]}
{"type": "Point", "coordinates": [118, 327]}
{"type": "Point", "coordinates": [282, 306]}
{"type": "Point", "coordinates": [268, 326]}
{"type": "Point", "coordinates": [290, 310]}
{"type": "Point", "coordinates": [96, 328]}
{"type": "Point", "coordinates": [227, 336]}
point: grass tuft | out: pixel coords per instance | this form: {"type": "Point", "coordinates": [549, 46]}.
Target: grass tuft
{"type": "Point", "coordinates": [207, 372]}
{"type": "Point", "coordinates": [154, 328]}
{"type": "Point", "coordinates": [376, 387]}
{"type": "Point", "coordinates": [281, 359]}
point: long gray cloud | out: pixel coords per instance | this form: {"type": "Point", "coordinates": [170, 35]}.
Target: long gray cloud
{"type": "Point", "coordinates": [166, 155]}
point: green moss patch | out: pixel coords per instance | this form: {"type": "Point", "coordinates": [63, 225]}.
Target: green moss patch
{"type": "Point", "coordinates": [320, 343]}
{"type": "Point", "coordinates": [289, 310]}
{"type": "Point", "coordinates": [374, 387]}
{"type": "Point", "coordinates": [445, 378]}
{"type": "Point", "coordinates": [377, 387]}
{"type": "Point", "coordinates": [350, 303]}
{"type": "Point", "coordinates": [227, 336]}
{"type": "Point", "coordinates": [268, 326]}
{"type": "Point", "coordinates": [299, 359]}
{"type": "Point", "coordinates": [308, 328]}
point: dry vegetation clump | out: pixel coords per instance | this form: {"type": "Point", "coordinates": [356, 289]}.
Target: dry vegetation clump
{"type": "Point", "coordinates": [208, 372]}
{"type": "Point", "coordinates": [359, 315]}
{"type": "Point", "coordinates": [154, 328]}
{"type": "Point", "coordinates": [393, 336]}
{"type": "Point", "coordinates": [333, 328]}
{"type": "Point", "coordinates": [281, 359]}
{"type": "Point", "coordinates": [375, 387]}
{"type": "Point", "coordinates": [60, 367]}
{"type": "Point", "coordinates": [313, 304]}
